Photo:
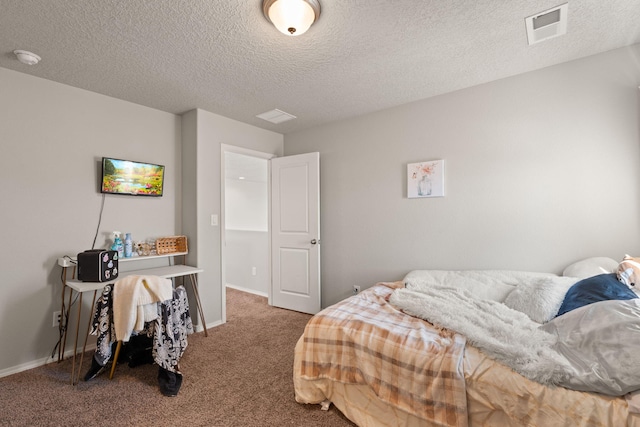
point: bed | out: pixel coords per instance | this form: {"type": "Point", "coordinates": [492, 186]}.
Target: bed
{"type": "Point", "coordinates": [400, 353]}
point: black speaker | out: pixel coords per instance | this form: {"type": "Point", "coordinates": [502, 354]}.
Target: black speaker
{"type": "Point", "coordinates": [97, 265]}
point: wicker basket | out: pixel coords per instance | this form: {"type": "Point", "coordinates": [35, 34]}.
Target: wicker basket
{"type": "Point", "coordinates": [169, 245]}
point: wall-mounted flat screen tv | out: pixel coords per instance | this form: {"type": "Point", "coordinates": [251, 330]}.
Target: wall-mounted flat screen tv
{"type": "Point", "coordinates": [131, 178]}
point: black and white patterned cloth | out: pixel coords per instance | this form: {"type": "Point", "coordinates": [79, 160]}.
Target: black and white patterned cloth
{"type": "Point", "coordinates": [169, 330]}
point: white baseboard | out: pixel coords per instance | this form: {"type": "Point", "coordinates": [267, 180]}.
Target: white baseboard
{"type": "Point", "coordinates": [199, 328]}
{"type": "Point", "coordinates": [251, 291]}
{"type": "Point", "coordinates": [69, 353]}
{"type": "Point", "coordinates": [40, 362]}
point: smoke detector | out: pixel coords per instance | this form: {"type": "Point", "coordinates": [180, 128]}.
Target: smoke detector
{"type": "Point", "coordinates": [547, 25]}
{"type": "Point", "coordinates": [27, 57]}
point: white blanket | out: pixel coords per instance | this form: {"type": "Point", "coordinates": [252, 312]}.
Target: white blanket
{"type": "Point", "coordinates": [506, 335]}
{"type": "Point", "coordinates": [592, 348]}
{"type": "Point", "coordinates": [135, 301]}
{"type": "Point", "coordinates": [493, 285]}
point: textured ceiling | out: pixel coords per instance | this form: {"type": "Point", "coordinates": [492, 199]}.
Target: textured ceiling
{"type": "Point", "coordinates": [361, 56]}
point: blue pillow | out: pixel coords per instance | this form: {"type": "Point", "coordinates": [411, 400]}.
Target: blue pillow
{"type": "Point", "coordinates": [602, 287]}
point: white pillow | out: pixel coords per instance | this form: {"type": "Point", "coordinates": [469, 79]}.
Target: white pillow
{"type": "Point", "coordinates": [540, 299]}
{"type": "Point", "coordinates": [591, 267]}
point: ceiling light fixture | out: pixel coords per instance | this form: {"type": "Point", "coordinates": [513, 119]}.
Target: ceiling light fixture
{"type": "Point", "coordinates": [27, 57]}
{"type": "Point", "coordinates": [291, 17]}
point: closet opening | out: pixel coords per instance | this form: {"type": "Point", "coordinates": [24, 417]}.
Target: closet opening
{"type": "Point", "coordinates": [246, 260]}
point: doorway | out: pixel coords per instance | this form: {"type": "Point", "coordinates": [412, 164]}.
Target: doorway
{"type": "Point", "coordinates": [291, 194]}
{"type": "Point", "coordinates": [245, 222]}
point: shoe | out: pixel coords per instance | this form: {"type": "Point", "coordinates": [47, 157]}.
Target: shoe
{"type": "Point", "coordinates": [169, 382]}
{"type": "Point", "coordinates": [95, 370]}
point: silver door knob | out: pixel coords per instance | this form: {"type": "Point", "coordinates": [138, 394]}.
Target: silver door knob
{"type": "Point", "coordinates": [314, 241]}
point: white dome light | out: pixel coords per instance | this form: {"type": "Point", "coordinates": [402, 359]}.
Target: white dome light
{"type": "Point", "coordinates": [291, 17]}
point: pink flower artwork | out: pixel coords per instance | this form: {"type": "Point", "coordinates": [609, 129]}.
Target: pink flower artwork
{"type": "Point", "coordinates": [425, 179]}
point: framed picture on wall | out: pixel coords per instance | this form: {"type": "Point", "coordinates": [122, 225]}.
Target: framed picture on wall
{"type": "Point", "coordinates": [425, 179]}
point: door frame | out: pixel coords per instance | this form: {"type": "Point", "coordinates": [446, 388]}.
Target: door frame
{"type": "Point", "coordinates": [225, 148]}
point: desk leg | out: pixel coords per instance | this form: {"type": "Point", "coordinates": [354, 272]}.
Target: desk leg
{"type": "Point", "coordinates": [86, 336]}
{"type": "Point", "coordinates": [65, 318]}
{"type": "Point", "coordinates": [75, 345]}
{"type": "Point", "coordinates": [115, 359]}
{"type": "Point", "coordinates": [194, 285]}
{"type": "Point", "coordinates": [62, 336]}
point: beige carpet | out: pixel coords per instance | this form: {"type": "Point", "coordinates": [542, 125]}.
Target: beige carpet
{"type": "Point", "coordinates": [241, 375]}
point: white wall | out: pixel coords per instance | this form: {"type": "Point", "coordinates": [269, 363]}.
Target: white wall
{"type": "Point", "coordinates": [52, 138]}
{"type": "Point", "coordinates": [246, 234]}
{"type": "Point", "coordinates": [247, 204]}
{"type": "Point", "coordinates": [541, 170]}
{"type": "Point", "coordinates": [245, 251]}
{"type": "Point", "coordinates": [203, 133]}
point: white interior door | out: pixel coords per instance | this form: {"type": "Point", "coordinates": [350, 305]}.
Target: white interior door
{"type": "Point", "coordinates": [295, 232]}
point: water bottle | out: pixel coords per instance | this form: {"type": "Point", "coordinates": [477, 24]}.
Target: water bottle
{"type": "Point", "coordinates": [117, 244]}
{"type": "Point", "coordinates": [128, 245]}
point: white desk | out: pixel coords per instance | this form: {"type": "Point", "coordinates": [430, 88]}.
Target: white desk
{"type": "Point", "coordinates": [80, 287]}
{"type": "Point", "coordinates": [167, 272]}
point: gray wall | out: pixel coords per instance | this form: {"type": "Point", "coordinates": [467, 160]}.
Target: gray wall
{"type": "Point", "coordinates": [52, 138]}
{"type": "Point", "coordinates": [203, 133]}
{"type": "Point", "coordinates": [541, 170]}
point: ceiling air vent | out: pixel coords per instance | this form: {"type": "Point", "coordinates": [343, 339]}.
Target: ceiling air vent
{"type": "Point", "coordinates": [547, 25]}
{"type": "Point", "coordinates": [276, 116]}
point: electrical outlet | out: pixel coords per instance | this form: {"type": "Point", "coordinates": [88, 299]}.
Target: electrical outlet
{"type": "Point", "coordinates": [66, 262]}
{"type": "Point", "coordinates": [57, 317]}
{"type": "Point", "coordinates": [356, 289]}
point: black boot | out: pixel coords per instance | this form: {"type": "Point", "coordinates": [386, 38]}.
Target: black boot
{"type": "Point", "coordinates": [95, 370]}
{"type": "Point", "coordinates": [169, 382]}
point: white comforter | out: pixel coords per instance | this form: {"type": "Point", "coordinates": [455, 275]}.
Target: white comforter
{"type": "Point", "coordinates": [591, 348]}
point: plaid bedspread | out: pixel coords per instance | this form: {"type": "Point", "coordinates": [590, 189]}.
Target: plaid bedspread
{"type": "Point", "coordinates": [404, 360]}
